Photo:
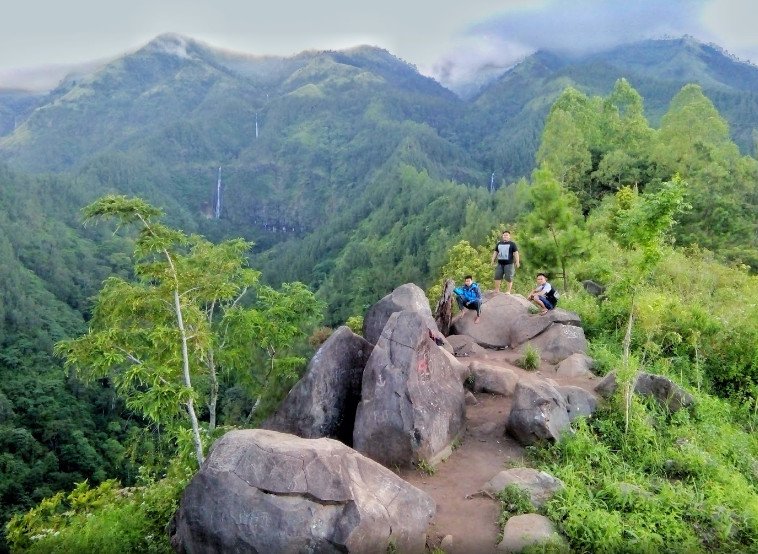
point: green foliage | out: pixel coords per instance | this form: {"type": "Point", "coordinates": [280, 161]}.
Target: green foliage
{"type": "Point", "coordinates": [355, 323]}
{"type": "Point", "coordinates": [102, 519]}
{"type": "Point", "coordinates": [464, 259]}
{"type": "Point", "coordinates": [425, 467]}
{"type": "Point", "coordinates": [553, 231]}
{"type": "Point", "coordinates": [182, 318]}
{"type": "Point", "coordinates": [669, 481]}
{"type": "Point", "coordinates": [530, 359]}
{"type": "Point", "coordinates": [514, 501]}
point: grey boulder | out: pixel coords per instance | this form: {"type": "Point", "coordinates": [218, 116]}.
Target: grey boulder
{"type": "Point", "coordinates": [527, 530]}
{"type": "Point", "coordinates": [559, 342]}
{"type": "Point", "coordinates": [540, 486]}
{"type": "Point", "coordinates": [494, 379]}
{"type": "Point", "coordinates": [499, 311]}
{"type": "Point", "coordinates": [662, 389]}
{"type": "Point", "coordinates": [264, 491]}
{"type": "Point", "coordinates": [464, 346]}
{"type": "Point", "coordinates": [527, 327]}
{"type": "Point", "coordinates": [576, 365]}
{"type": "Point", "coordinates": [323, 402]}
{"type": "Point", "coordinates": [579, 402]}
{"type": "Point", "coordinates": [539, 413]}
{"type": "Point", "coordinates": [412, 400]}
{"type": "Point", "coordinates": [405, 297]}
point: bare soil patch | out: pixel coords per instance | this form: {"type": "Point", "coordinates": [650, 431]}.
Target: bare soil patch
{"type": "Point", "coordinates": [462, 510]}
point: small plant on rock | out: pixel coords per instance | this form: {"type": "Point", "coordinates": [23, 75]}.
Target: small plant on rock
{"type": "Point", "coordinates": [425, 467]}
{"type": "Point", "coordinates": [530, 360]}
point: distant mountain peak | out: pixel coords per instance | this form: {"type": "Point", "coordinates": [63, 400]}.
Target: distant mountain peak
{"type": "Point", "coordinates": [170, 43]}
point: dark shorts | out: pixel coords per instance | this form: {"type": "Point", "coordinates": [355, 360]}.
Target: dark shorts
{"type": "Point", "coordinates": [546, 302]}
{"type": "Point", "coordinates": [505, 271]}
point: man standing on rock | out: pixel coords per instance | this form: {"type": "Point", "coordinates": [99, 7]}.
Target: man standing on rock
{"type": "Point", "coordinates": [469, 296]}
{"type": "Point", "coordinates": [506, 260]}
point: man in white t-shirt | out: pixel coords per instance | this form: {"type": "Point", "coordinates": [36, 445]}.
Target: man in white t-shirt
{"type": "Point", "coordinates": [542, 294]}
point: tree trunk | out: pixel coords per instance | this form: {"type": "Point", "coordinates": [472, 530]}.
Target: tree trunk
{"type": "Point", "coordinates": [565, 277]}
{"type": "Point", "coordinates": [187, 381]}
{"type": "Point", "coordinates": [213, 399]}
{"type": "Point", "coordinates": [444, 311]}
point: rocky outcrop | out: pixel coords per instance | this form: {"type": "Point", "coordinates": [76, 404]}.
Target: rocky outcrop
{"type": "Point", "coordinates": [527, 530]}
{"type": "Point", "coordinates": [539, 413]}
{"type": "Point", "coordinates": [493, 378]}
{"type": "Point", "coordinates": [579, 402]}
{"type": "Point", "coordinates": [506, 323]}
{"type": "Point", "coordinates": [539, 485]}
{"type": "Point", "coordinates": [464, 346]}
{"type": "Point", "coordinates": [593, 288]}
{"type": "Point", "coordinates": [576, 365]}
{"type": "Point", "coordinates": [559, 341]}
{"type": "Point", "coordinates": [499, 310]}
{"type": "Point", "coordinates": [263, 491]}
{"type": "Point", "coordinates": [323, 402]}
{"type": "Point", "coordinates": [412, 400]}
{"type": "Point", "coordinates": [527, 327]}
{"type": "Point", "coordinates": [664, 390]}
{"type": "Point", "coordinates": [405, 297]}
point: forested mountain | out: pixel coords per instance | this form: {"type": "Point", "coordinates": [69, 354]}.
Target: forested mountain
{"type": "Point", "coordinates": [510, 112]}
{"type": "Point", "coordinates": [350, 171]}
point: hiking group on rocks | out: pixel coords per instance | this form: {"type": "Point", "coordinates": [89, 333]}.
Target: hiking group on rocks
{"type": "Point", "coordinates": [505, 258]}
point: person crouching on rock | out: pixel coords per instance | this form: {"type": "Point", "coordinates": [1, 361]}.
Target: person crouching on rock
{"type": "Point", "coordinates": [542, 294]}
{"type": "Point", "coordinates": [469, 296]}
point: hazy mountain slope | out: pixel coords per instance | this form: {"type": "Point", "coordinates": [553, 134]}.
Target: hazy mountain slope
{"type": "Point", "coordinates": [15, 106]}
{"type": "Point", "coordinates": [512, 109]}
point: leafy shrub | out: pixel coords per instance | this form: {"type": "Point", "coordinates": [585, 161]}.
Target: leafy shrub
{"type": "Point", "coordinates": [102, 519]}
{"type": "Point", "coordinates": [530, 359]}
{"type": "Point", "coordinates": [355, 323]}
{"type": "Point", "coordinates": [319, 336]}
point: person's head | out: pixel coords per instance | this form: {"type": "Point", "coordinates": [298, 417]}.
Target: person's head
{"type": "Point", "coordinates": [541, 278]}
{"type": "Point", "coordinates": [506, 235]}
{"type": "Point", "coordinates": [468, 279]}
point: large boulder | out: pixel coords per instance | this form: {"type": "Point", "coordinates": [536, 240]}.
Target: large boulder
{"type": "Point", "coordinates": [412, 400]}
{"type": "Point", "coordinates": [405, 297]}
{"type": "Point", "coordinates": [559, 342]}
{"type": "Point", "coordinates": [499, 311]}
{"type": "Point", "coordinates": [521, 532]}
{"type": "Point", "coordinates": [264, 491]}
{"type": "Point", "coordinates": [540, 486]}
{"type": "Point", "coordinates": [662, 389]}
{"type": "Point", "coordinates": [493, 378]}
{"type": "Point", "coordinates": [539, 413]}
{"type": "Point", "coordinates": [323, 402]}
{"type": "Point", "coordinates": [527, 327]}
{"type": "Point", "coordinates": [593, 288]}
{"type": "Point", "coordinates": [464, 346]}
{"type": "Point", "coordinates": [576, 365]}
{"type": "Point", "coordinates": [579, 402]}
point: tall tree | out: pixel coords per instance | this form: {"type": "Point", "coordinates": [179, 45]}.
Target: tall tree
{"type": "Point", "coordinates": [156, 334]}
{"type": "Point", "coordinates": [554, 230]}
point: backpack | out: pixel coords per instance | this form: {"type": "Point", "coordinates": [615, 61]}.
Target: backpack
{"type": "Point", "coordinates": [553, 296]}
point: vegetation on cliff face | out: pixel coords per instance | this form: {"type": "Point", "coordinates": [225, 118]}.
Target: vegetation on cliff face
{"type": "Point", "coordinates": [355, 201]}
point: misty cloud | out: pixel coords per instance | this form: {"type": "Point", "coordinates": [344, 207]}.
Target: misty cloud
{"type": "Point", "coordinates": [567, 27]}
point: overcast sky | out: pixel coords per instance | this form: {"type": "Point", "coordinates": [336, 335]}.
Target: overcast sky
{"type": "Point", "coordinates": [447, 39]}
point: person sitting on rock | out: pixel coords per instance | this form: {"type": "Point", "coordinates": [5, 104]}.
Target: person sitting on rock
{"type": "Point", "coordinates": [469, 296]}
{"type": "Point", "coordinates": [542, 294]}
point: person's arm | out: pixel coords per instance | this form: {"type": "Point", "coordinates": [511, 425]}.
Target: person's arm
{"type": "Point", "coordinates": [494, 255]}
{"type": "Point", "coordinates": [517, 258]}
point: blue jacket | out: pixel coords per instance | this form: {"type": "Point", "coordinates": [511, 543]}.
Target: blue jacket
{"type": "Point", "coordinates": [469, 294]}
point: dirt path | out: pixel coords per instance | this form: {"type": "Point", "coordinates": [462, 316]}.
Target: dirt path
{"type": "Point", "coordinates": [484, 451]}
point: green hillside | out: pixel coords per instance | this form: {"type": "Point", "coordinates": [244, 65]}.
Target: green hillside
{"type": "Point", "coordinates": [362, 175]}
{"type": "Point", "coordinates": [511, 110]}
